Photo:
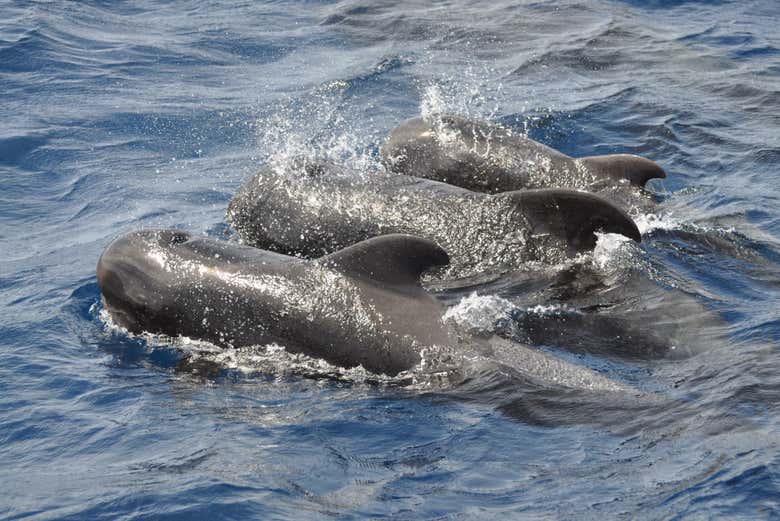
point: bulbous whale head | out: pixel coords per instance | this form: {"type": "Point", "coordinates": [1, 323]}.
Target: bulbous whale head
{"type": "Point", "coordinates": [637, 170]}
{"type": "Point", "coordinates": [137, 291]}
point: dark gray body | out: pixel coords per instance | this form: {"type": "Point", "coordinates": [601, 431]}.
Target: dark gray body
{"type": "Point", "coordinates": [621, 314]}
{"type": "Point", "coordinates": [490, 158]}
{"type": "Point", "coordinates": [324, 209]}
{"type": "Point", "coordinates": [360, 306]}
{"type": "Point", "coordinates": [336, 308]}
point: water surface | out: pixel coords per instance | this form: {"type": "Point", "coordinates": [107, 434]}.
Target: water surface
{"type": "Point", "coordinates": [120, 116]}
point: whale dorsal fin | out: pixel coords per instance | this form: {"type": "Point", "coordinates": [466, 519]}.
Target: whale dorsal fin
{"type": "Point", "coordinates": [393, 259]}
{"type": "Point", "coordinates": [572, 216]}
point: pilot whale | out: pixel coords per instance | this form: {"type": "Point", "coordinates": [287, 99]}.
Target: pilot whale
{"type": "Point", "coordinates": [320, 208]}
{"type": "Point", "coordinates": [363, 305]}
{"type": "Point", "coordinates": [490, 158]}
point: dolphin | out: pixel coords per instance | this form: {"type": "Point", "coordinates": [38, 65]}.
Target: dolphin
{"type": "Point", "coordinates": [320, 208]}
{"type": "Point", "coordinates": [490, 158]}
{"type": "Point", "coordinates": [363, 305]}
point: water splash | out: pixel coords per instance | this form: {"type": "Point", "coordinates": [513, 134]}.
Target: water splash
{"type": "Point", "coordinates": [474, 92]}
{"type": "Point", "coordinates": [649, 222]}
{"type": "Point", "coordinates": [614, 252]}
{"type": "Point", "coordinates": [479, 313]}
{"type": "Point", "coordinates": [318, 126]}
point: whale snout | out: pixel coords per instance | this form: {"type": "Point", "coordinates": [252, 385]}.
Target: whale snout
{"type": "Point", "coordinates": [132, 278]}
{"type": "Point", "coordinates": [637, 170]}
{"type": "Point", "coordinates": [135, 253]}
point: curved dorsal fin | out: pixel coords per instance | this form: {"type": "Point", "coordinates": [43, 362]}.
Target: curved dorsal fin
{"type": "Point", "coordinates": [572, 216]}
{"type": "Point", "coordinates": [395, 259]}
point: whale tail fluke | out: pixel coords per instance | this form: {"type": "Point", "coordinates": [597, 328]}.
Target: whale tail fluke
{"type": "Point", "coordinates": [637, 170]}
{"type": "Point", "coordinates": [572, 216]}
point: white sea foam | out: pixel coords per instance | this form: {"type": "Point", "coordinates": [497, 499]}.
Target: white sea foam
{"type": "Point", "coordinates": [613, 252]}
{"type": "Point", "coordinates": [479, 312]}
{"type": "Point", "coordinates": [551, 310]}
{"type": "Point", "coordinates": [647, 222]}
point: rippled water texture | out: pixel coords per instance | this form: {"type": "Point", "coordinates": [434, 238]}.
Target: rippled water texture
{"type": "Point", "coordinates": [120, 116]}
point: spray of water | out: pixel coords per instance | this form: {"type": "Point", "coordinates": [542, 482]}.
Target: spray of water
{"type": "Point", "coordinates": [319, 126]}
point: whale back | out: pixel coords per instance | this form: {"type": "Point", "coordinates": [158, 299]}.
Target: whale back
{"type": "Point", "coordinates": [318, 213]}
{"type": "Point", "coordinates": [454, 150]}
{"type": "Point", "coordinates": [490, 158]}
{"type": "Point", "coordinates": [386, 273]}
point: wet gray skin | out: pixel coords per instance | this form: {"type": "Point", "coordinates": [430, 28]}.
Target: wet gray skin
{"type": "Point", "coordinates": [622, 314]}
{"type": "Point", "coordinates": [320, 208]}
{"type": "Point", "coordinates": [489, 158]}
{"type": "Point", "coordinates": [360, 306]}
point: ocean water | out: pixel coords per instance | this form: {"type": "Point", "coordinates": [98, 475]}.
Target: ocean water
{"type": "Point", "coordinates": [118, 116]}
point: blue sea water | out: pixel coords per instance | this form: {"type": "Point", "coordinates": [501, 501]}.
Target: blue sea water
{"type": "Point", "coordinates": [123, 115]}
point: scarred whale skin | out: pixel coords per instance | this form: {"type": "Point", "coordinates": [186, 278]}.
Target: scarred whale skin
{"type": "Point", "coordinates": [490, 158]}
{"type": "Point", "coordinates": [363, 305]}
{"type": "Point", "coordinates": [320, 208]}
